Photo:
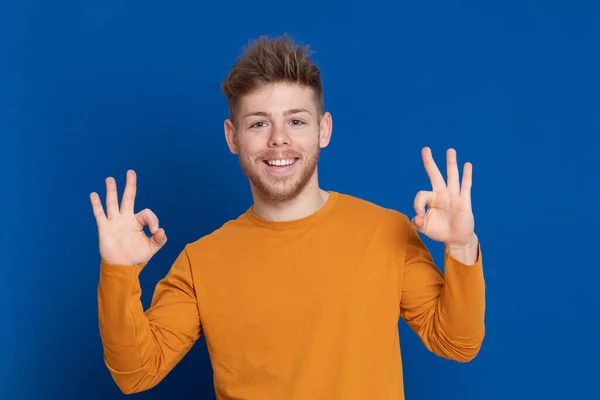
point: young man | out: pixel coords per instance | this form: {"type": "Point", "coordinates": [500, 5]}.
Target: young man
{"type": "Point", "coordinates": [300, 296]}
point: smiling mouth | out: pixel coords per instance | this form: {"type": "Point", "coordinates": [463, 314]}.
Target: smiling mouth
{"type": "Point", "coordinates": [279, 163]}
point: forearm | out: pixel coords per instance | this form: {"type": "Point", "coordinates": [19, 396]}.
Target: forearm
{"type": "Point", "coordinates": [129, 346]}
{"type": "Point", "coordinates": [142, 347]}
{"type": "Point", "coordinates": [458, 324]}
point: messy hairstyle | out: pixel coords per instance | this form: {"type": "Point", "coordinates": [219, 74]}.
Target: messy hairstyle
{"type": "Point", "coordinates": [276, 60]}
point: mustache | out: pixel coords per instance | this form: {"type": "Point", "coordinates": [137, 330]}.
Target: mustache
{"type": "Point", "coordinates": [272, 155]}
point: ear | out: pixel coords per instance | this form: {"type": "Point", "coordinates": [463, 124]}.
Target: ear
{"type": "Point", "coordinates": [231, 137]}
{"type": "Point", "coordinates": [325, 129]}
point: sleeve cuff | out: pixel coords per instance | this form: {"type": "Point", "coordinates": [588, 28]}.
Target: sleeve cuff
{"type": "Point", "coordinates": [116, 271]}
{"type": "Point", "coordinates": [452, 263]}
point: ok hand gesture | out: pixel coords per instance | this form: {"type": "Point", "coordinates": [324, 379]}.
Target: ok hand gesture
{"type": "Point", "coordinates": [449, 217]}
{"type": "Point", "coordinates": [121, 235]}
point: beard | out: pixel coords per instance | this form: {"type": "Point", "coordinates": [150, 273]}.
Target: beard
{"type": "Point", "coordinates": [277, 189]}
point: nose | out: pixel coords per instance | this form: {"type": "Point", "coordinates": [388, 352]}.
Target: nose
{"type": "Point", "coordinates": [279, 137]}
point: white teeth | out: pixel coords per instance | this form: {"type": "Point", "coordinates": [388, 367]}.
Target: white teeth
{"type": "Point", "coordinates": [280, 162]}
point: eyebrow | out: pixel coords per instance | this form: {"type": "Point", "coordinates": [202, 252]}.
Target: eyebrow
{"type": "Point", "coordinates": [285, 113]}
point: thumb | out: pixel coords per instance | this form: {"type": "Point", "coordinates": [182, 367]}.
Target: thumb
{"type": "Point", "coordinates": [158, 239]}
{"type": "Point", "coordinates": [418, 222]}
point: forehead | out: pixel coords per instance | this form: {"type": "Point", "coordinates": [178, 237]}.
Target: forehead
{"type": "Point", "coordinates": [277, 97]}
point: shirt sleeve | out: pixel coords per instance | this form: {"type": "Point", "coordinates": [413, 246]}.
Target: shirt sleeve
{"type": "Point", "coordinates": [142, 347]}
{"type": "Point", "coordinates": [446, 310]}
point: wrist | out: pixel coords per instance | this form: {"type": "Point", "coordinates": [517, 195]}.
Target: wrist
{"type": "Point", "coordinates": [467, 253]}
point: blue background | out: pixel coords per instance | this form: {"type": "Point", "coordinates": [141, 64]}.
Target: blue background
{"type": "Point", "coordinates": [90, 89]}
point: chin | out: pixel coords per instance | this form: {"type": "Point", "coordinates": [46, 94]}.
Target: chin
{"type": "Point", "coordinates": [280, 177]}
{"type": "Point", "coordinates": [279, 183]}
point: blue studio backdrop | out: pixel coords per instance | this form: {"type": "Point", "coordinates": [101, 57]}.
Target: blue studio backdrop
{"type": "Point", "coordinates": [91, 89]}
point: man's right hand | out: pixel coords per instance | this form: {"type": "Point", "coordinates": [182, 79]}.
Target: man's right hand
{"type": "Point", "coordinates": [120, 231]}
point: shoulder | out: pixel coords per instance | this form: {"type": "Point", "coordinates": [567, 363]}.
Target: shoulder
{"type": "Point", "coordinates": [224, 235]}
{"type": "Point", "coordinates": [366, 217]}
{"type": "Point", "coordinates": [366, 210]}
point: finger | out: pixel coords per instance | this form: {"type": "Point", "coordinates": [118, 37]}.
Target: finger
{"type": "Point", "coordinates": [112, 200]}
{"type": "Point", "coordinates": [418, 223]}
{"type": "Point", "coordinates": [158, 240]}
{"type": "Point", "coordinates": [467, 181]}
{"type": "Point", "coordinates": [97, 208]}
{"type": "Point", "coordinates": [452, 171]}
{"type": "Point", "coordinates": [128, 202]}
{"type": "Point", "coordinates": [147, 217]}
{"type": "Point", "coordinates": [435, 176]}
{"type": "Point", "coordinates": [422, 199]}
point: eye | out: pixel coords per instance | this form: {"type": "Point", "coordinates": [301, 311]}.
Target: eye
{"type": "Point", "coordinates": [258, 124]}
{"type": "Point", "coordinates": [297, 122]}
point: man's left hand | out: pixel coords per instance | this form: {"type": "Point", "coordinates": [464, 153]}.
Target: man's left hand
{"type": "Point", "coordinates": [449, 216]}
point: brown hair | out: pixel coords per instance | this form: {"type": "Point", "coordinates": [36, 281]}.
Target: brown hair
{"type": "Point", "coordinates": [275, 60]}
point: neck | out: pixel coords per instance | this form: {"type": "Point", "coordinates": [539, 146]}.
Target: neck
{"type": "Point", "coordinates": [309, 201]}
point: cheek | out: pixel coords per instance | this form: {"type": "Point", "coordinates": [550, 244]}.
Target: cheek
{"type": "Point", "coordinates": [249, 147]}
{"type": "Point", "coordinates": [307, 140]}
{"type": "Point", "coordinates": [310, 144]}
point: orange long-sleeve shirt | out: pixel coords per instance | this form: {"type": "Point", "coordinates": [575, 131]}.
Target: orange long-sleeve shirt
{"type": "Point", "coordinates": [303, 309]}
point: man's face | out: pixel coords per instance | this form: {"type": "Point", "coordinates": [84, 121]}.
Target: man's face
{"type": "Point", "coordinates": [278, 138]}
